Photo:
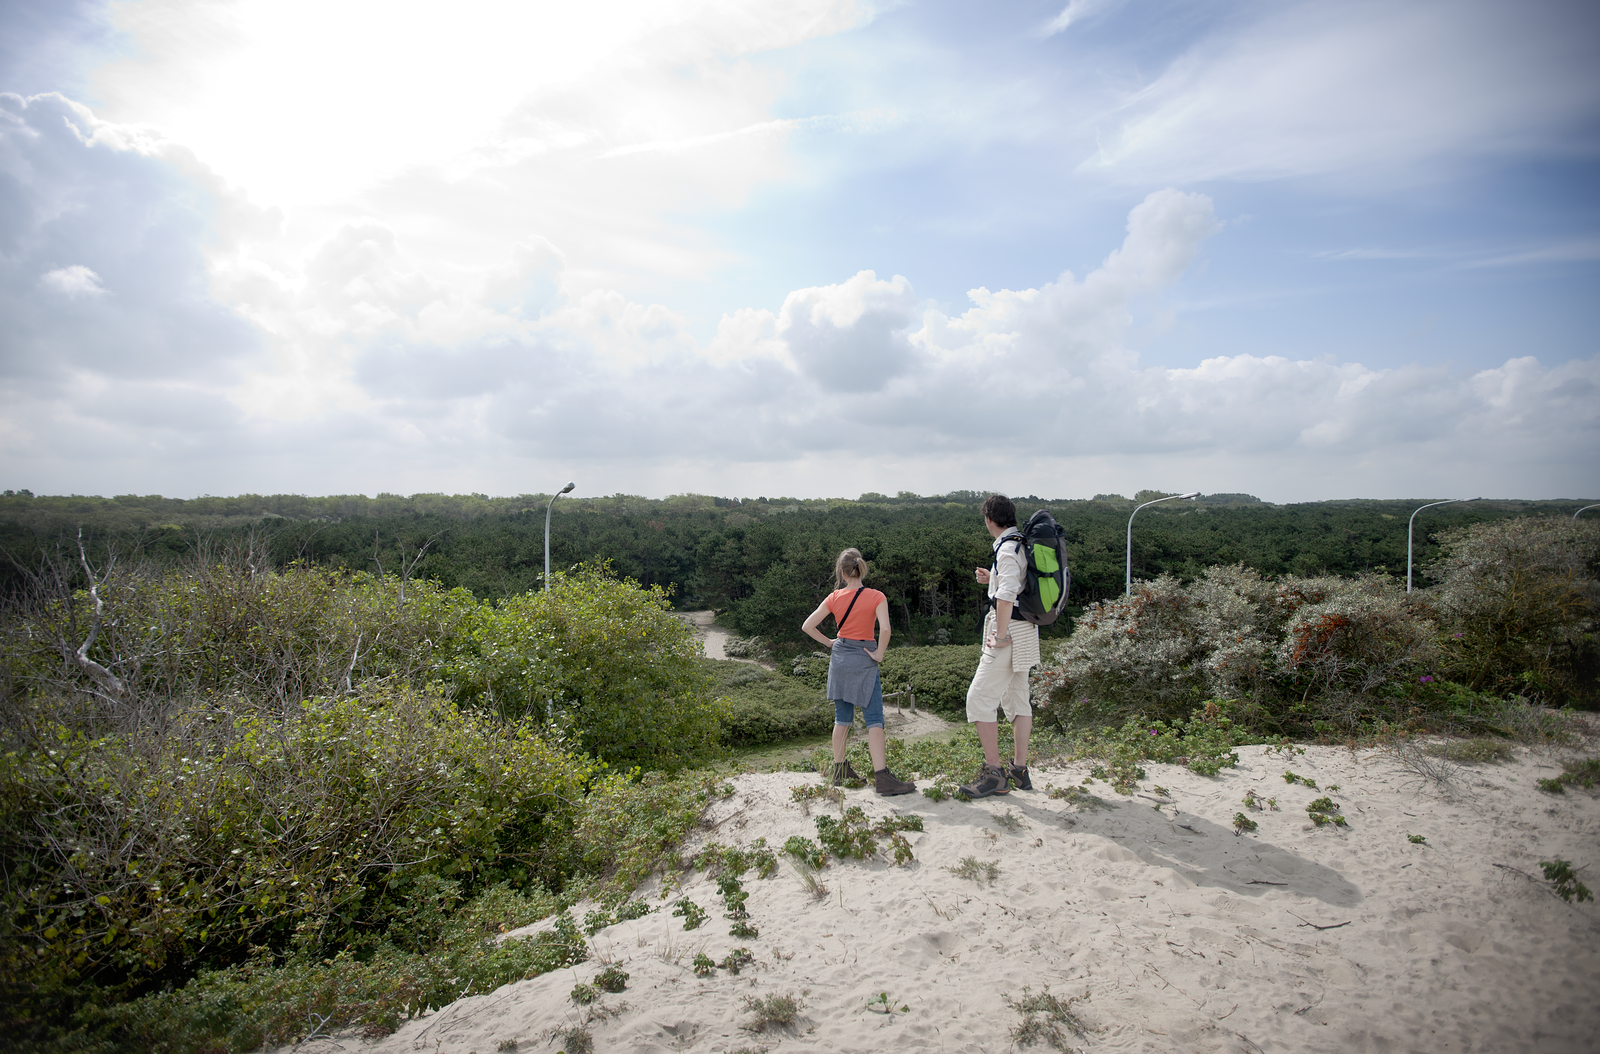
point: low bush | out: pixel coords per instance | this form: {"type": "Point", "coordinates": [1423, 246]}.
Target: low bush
{"type": "Point", "coordinates": [938, 675]}
{"type": "Point", "coordinates": [759, 706]}
{"type": "Point", "coordinates": [603, 660]}
{"type": "Point", "coordinates": [250, 864]}
{"type": "Point", "coordinates": [1296, 655]}
{"type": "Point", "coordinates": [1519, 600]}
{"type": "Point", "coordinates": [269, 1002]}
{"type": "Point", "coordinates": [229, 828]}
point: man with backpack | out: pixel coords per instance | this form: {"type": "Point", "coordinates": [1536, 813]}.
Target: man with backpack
{"type": "Point", "coordinates": [1010, 650]}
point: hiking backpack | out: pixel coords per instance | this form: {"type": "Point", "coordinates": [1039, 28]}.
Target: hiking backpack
{"type": "Point", "coordinates": [1044, 595]}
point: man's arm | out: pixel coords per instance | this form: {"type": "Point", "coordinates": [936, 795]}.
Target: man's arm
{"type": "Point", "coordinates": [1002, 624]}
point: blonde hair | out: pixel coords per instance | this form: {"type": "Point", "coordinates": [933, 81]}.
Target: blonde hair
{"type": "Point", "coordinates": [851, 565]}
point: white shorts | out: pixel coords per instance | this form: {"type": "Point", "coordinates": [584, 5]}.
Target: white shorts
{"type": "Point", "coordinates": [996, 686]}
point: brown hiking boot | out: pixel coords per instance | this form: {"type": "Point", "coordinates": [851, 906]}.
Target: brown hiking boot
{"type": "Point", "coordinates": [991, 779]}
{"type": "Point", "coordinates": [844, 771]}
{"type": "Point", "coordinates": [1019, 776]}
{"type": "Point", "coordinates": [887, 783]}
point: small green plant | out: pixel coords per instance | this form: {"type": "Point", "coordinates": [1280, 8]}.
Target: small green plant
{"type": "Point", "coordinates": [1077, 796]}
{"type": "Point", "coordinates": [1331, 788]}
{"type": "Point", "coordinates": [810, 792]}
{"type": "Point", "coordinates": [1585, 774]}
{"type": "Point", "coordinates": [1324, 811]}
{"type": "Point", "coordinates": [1010, 821]}
{"type": "Point", "coordinates": [773, 1011]}
{"type": "Point", "coordinates": [1472, 751]}
{"type": "Point", "coordinates": [1045, 1018]}
{"type": "Point", "coordinates": [737, 960]}
{"type": "Point", "coordinates": [941, 789]}
{"type": "Point", "coordinates": [506, 1045]}
{"type": "Point", "coordinates": [1242, 823]}
{"type": "Point", "coordinates": [975, 870]}
{"type": "Point", "coordinates": [584, 994]}
{"type": "Point", "coordinates": [806, 852]}
{"type": "Point", "coordinates": [1158, 789]}
{"type": "Point", "coordinates": [1416, 839]}
{"type": "Point", "coordinates": [691, 913]}
{"type": "Point", "coordinates": [743, 930]}
{"type": "Point", "coordinates": [852, 837]}
{"type": "Point", "coordinates": [1250, 801]}
{"type": "Point", "coordinates": [809, 879]}
{"type": "Point", "coordinates": [734, 896]}
{"type": "Point", "coordinates": [1123, 774]}
{"type": "Point", "coordinates": [1560, 874]}
{"type": "Point", "coordinates": [882, 1004]}
{"type": "Point", "coordinates": [1272, 803]}
{"type": "Point", "coordinates": [703, 965]}
{"type": "Point", "coordinates": [611, 914]}
{"type": "Point", "coordinates": [575, 1039]}
{"type": "Point", "coordinates": [1291, 778]}
{"type": "Point", "coordinates": [612, 979]}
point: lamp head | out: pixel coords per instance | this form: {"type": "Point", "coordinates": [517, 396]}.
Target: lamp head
{"type": "Point", "coordinates": [1191, 494]}
{"type": "Point", "coordinates": [567, 488]}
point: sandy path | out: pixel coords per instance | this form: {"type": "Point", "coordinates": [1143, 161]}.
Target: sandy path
{"type": "Point", "coordinates": [1184, 935]}
{"type": "Point", "coordinates": [712, 636]}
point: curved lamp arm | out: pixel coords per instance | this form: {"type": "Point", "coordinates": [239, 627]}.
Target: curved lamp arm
{"type": "Point", "coordinates": [1413, 520]}
{"type": "Point", "coordinates": [1127, 579]}
{"type": "Point", "coordinates": [547, 511]}
{"type": "Point", "coordinates": [1586, 508]}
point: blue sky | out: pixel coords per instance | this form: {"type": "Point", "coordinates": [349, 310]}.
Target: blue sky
{"type": "Point", "coordinates": [813, 248]}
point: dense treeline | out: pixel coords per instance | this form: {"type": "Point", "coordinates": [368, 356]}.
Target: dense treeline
{"type": "Point", "coordinates": [764, 561]}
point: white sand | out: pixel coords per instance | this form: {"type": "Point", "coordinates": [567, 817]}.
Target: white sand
{"type": "Point", "coordinates": [1185, 936]}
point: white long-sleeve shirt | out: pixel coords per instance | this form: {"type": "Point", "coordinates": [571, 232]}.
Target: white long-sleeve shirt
{"type": "Point", "coordinates": [1006, 582]}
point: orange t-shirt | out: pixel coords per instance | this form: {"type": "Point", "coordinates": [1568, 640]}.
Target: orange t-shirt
{"type": "Point", "coordinates": [862, 616]}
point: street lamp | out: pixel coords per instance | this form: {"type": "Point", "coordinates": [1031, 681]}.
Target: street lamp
{"type": "Point", "coordinates": [547, 509]}
{"type": "Point", "coordinates": [1586, 508]}
{"type": "Point", "coordinates": [1413, 520]}
{"type": "Point", "coordinates": [1127, 582]}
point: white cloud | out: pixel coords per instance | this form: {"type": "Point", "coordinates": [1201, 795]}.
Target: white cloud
{"type": "Point", "coordinates": [367, 362]}
{"type": "Point", "coordinates": [1075, 11]}
{"type": "Point", "coordinates": [76, 280]}
{"type": "Point", "coordinates": [1395, 90]}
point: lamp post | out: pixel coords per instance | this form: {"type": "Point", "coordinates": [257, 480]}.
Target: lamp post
{"type": "Point", "coordinates": [547, 510]}
{"type": "Point", "coordinates": [1127, 582]}
{"type": "Point", "coordinates": [1413, 520]}
{"type": "Point", "coordinates": [1586, 508]}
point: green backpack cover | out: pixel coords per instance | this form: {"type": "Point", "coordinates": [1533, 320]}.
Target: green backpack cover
{"type": "Point", "coordinates": [1044, 596]}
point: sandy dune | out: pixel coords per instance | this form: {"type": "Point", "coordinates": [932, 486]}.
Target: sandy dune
{"type": "Point", "coordinates": [1184, 936]}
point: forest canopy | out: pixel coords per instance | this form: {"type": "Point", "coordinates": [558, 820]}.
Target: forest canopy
{"type": "Point", "coordinates": [763, 562]}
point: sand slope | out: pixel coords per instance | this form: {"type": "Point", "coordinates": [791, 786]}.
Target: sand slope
{"type": "Point", "coordinates": [1185, 936]}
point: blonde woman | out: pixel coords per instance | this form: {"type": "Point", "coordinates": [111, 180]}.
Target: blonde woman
{"type": "Point", "coordinates": [853, 667]}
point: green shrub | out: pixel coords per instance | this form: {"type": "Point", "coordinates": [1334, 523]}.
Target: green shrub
{"type": "Point", "coordinates": [228, 828]}
{"type": "Point", "coordinates": [1518, 601]}
{"type": "Point", "coordinates": [938, 675]}
{"type": "Point", "coordinates": [266, 1002]}
{"type": "Point", "coordinates": [1295, 654]}
{"type": "Point", "coordinates": [605, 660]}
{"type": "Point", "coordinates": [626, 830]}
{"type": "Point", "coordinates": [1204, 743]}
{"type": "Point", "coordinates": [225, 629]}
{"type": "Point", "coordinates": [758, 706]}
